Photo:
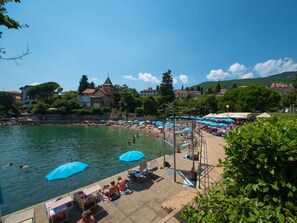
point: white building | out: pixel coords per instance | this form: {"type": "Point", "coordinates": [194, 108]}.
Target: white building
{"type": "Point", "coordinates": [148, 92]}
{"type": "Point", "coordinates": [26, 100]}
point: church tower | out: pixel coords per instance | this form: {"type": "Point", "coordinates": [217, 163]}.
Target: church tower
{"type": "Point", "coordinates": [108, 87]}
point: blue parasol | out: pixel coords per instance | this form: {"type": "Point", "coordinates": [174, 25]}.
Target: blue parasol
{"type": "Point", "coordinates": [131, 156]}
{"type": "Point", "coordinates": [66, 170]}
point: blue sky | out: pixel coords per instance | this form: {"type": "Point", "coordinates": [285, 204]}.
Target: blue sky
{"type": "Point", "coordinates": [136, 41]}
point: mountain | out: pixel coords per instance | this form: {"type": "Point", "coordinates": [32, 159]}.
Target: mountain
{"type": "Point", "coordinates": [286, 78]}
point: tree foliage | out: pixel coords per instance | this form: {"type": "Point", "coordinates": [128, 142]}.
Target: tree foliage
{"type": "Point", "coordinates": [150, 105]}
{"type": "Point", "coordinates": [84, 84]}
{"type": "Point", "coordinates": [9, 23]}
{"type": "Point", "coordinates": [129, 100]}
{"type": "Point", "coordinates": [252, 98]}
{"type": "Point", "coordinates": [260, 179]}
{"type": "Point", "coordinates": [7, 102]}
{"type": "Point", "coordinates": [45, 91]}
{"type": "Point", "coordinates": [166, 88]}
{"type": "Point", "coordinates": [66, 102]}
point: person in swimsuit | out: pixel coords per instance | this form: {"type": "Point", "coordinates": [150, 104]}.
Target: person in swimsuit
{"type": "Point", "coordinates": [122, 184]}
{"type": "Point", "coordinates": [113, 191]}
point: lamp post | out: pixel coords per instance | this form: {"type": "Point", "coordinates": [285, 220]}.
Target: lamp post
{"type": "Point", "coordinates": [227, 107]}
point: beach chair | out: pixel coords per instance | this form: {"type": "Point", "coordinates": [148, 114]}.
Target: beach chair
{"type": "Point", "coordinates": [24, 216]}
{"type": "Point", "coordinates": [57, 210]}
{"type": "Point", "coordinates": [139, 174]}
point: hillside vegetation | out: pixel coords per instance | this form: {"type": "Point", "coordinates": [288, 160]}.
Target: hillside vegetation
{"type": "Point", "coordinates": [286, 78]}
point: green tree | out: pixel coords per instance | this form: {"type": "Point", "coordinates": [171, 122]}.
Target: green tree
{"type": "Point", "coordinates": [117, 93]}
{"type": "Point", "coordinates": [182, 87]}
{"type": "Point", "coordinates": [45, 91]}
{"type": "Point", "coordinates": [218, 88]}
{"type": "Point", "coordinates": [209, 91]}
{"type": "Point", "coordinates": [83, 84]}
{"type": "Point", "coordinates": [234, 85]}
{"type": "Point", "coordinates": [66, 103]}
{"type": "Point", "coordinates": [7, 102]}
{"type": "Point", "coordinates": [129, 100]}
{"type": "Point", "coordinates": [252, 98]}
{"type": "Point", "coordinates": [9, 23]}
{"type": "Point", "coordinates": [40, 108]}
{"type": "Point", "coordinates": [166, 88]}
{"type": "Point", "coordinates": [150, 105]}
{"type": "Point", "coordinates": [259, 183]}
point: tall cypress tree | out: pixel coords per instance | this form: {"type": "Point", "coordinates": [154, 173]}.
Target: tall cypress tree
{"type": "Point", "coordinates": [83, 84]}
{"type": "Point", "coordinates": [166, 88]}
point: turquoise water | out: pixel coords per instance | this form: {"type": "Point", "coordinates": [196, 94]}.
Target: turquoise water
{"type": "Point", "coordinates": [46, 147]}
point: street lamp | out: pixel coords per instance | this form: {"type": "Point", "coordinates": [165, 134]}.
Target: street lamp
{"type": "Point", "coordinates": [227, 107]}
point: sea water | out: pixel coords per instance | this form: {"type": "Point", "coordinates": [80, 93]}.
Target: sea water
{"type": "Point", "coordinates": [45, 147]}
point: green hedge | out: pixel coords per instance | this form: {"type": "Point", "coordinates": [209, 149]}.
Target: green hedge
{"type": "Point", "coordinates": [260, 178]}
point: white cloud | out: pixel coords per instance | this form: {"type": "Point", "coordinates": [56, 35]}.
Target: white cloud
{"type": "Point", "coordinates": [247, 75]}
{"type": "Point", "coordinates": [94, 78]}
{"type": "Point", "coordinates": [34, 83]}
{"type": "Point", "coordinates": [174, 80]}
{"type": "Point", "coordinates": [272, 66]}
{"type": "Point", "coordinates": [219, 74]}
{"type": "Point", "coordinates": [130, 77]}
{"type": "Point", "coordinates": [183, 78]}
{"type": "Point", "coordinates": [146, 77]}
{"type": "Point", "coordinates": [237, 69]}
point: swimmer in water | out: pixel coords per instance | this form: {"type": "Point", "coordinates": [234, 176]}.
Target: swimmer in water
{"type": "Point", "coordinates": [7, 165]}
{"type": "Point", "coordinates": [24, 166]}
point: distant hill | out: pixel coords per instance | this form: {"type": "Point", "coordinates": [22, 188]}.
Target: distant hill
{"type": "Point", "coordinates": [286, 78]}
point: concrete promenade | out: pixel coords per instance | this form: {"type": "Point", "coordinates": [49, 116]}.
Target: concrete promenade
{"type": "Point", "coordinates": [156, 197]}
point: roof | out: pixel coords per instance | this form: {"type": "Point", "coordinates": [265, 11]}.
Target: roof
{"type": "Point", "coordinates": [263, 115]}
{"type": "Point", "coordinates": [236, 115]}
{"type": "Point", "coordinates": [108, 82]}
{"type": "Point", "coordinates": [89, 91]}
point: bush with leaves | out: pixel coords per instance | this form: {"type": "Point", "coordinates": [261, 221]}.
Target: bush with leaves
{"type": "Point", "coordinates": [96, 111]}
{"type": "Point", "coordinates": [260, 178]}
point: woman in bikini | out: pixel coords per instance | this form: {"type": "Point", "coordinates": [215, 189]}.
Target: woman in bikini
{"type": "Point", "coordinates": [122, 185]}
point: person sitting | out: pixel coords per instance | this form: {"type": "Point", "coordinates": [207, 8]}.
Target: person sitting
{"type": "Point", "coordinates": [192, 174]}
{"type": "Point", "coordinates": [122, 186]}
{"type": "Point", "coordinates": [87, 217]}
{"type": "Point", "coordinates": [113, 192]}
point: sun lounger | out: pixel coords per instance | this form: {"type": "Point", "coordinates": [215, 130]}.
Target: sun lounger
{"type": "Point", "coordinates": [57, 210]}
{"type": "Point", "coordinates": [88, 197]}
{"type": "Point", "coordinates": [139, 174]}
{"type": "Point", "coordinates": [21, 217]}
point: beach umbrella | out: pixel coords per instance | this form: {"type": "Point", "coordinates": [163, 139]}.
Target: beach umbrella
{"type": "Point", "coordinates": [131, 156]}
{"type": "Point", "coordinates": [66, 171]}
{"type": "Point", "coordinates": [186, 129]}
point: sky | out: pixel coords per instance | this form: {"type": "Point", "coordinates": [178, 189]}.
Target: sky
{"type": "Point", "coordinates": [135, 41]}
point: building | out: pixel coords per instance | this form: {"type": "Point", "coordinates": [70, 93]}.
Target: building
{"type": "Point", "coordinates": [99, 97]}
{"type": "Point", "coordinates": [185, 93]}
{"type": "Point", "coordinates": [282, 88]}
{"type": "Point", "coordinates": [16, 95]}
{"type": "Point", "coordinates": [148, 92]}
{"type": "Point", "coordinates": [25, 99]}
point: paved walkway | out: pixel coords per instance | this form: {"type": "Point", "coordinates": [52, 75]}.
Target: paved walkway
{"type": "Point", "coordinates": [154, 198]}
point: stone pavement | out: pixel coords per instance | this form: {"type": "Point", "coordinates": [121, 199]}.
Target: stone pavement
{"type": "Point", "coordinates": [154, 198]}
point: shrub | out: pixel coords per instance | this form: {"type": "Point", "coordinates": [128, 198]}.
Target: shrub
{"type": "Point", "coordinates": [260, 179]}
{"type": "Point", "coordinates": [96, 111]}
